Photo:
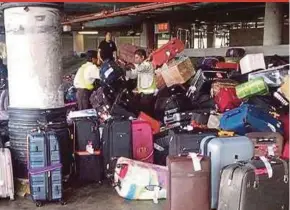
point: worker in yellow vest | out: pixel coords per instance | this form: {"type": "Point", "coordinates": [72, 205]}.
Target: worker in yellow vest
{"type": "Point", "coordinates": [85, 78]}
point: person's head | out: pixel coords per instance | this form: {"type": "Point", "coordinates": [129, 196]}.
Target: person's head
{"type": "Point", "coordinates": [140, 56]}
{"type": "Point", "coordinates": [92, 56]}
{"type": "Point", "coordinates": [108, 36]}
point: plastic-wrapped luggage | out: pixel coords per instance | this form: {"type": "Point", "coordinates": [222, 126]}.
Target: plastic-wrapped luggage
{"type": "Point", "coordinates": [249, 118]}
{"type": "Point", "coordinates": [256, 184]}
{"type": "Point", "coordinates": [44, 167]}
{"type": "Point", "coordinates": [188, 182]}
{"type": "Point", "coordinates": [166, 52]}
{"type": "Point", "coordinates": [6, 174]}
{"type": "Point", "coordinates": [267, 143]}
{"type": "Point", "coordinates": [140, 181]}
{"type": "Point", "coordinates": [252, 62]}
{"type": "Point", "coordinates": [142, 141]}
{"type": "Point", "coordinates": [253, 87]}
{"type": "Point", "coordinates": [224, 151]}
{"type": "Point", "coordinates": [222, 83]}
{"type": "Point", "coordinates": [273, 77]}
{"type": "Point", "coordinates": [226, 99]}
{"type": "Point", "coordinates": [178, 72]}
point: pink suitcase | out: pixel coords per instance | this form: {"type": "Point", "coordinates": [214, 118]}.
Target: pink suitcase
{"type": "Point", "coordinates": [166, 52]}
{"type": "Point", "coordinates": [6, 174]}
{"type": "Point", "coordinates": [142, 137]}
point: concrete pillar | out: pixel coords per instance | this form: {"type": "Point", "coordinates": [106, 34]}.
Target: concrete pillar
{"type": "Point", "coordinates": [147, 35]}
{"type": "Point", "coordinates": [273, 24]}
{"type": "Point", "coordinates": [34, 58]}
{"type": "Point", "coordinates": [210, 36]}
{"type": "Point", "coordinates": [78, 42]}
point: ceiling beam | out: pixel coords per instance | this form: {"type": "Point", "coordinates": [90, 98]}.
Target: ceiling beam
{"type": "Point", "coordinates": [123, 11]}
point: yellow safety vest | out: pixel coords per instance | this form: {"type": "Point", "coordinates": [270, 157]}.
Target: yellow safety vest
{"type": "Point", "coordinates": [82, 80]}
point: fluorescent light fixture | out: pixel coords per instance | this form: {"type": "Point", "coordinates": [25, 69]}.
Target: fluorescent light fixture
{"type": "Point", "coordinates": [88, 32]}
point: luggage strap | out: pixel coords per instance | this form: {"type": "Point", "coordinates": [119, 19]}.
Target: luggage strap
{"type": "Point", "coordinates": [44, 169]}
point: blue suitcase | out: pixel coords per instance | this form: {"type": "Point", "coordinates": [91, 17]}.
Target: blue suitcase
{"type": "Point", "coordinates": [248, 118]}
{"type": "Point", "coordinates": [44, 167]}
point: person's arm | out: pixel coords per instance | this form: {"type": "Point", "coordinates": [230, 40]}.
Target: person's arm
{"type": "Point", "coordinates": [145, 67]}
{"type": "Point", "coordinates": [91, 74]}
{"type": "Point", "coordinates": [99, 52]}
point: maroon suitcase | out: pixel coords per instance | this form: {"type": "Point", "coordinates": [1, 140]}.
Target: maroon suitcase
{"type": "Point", "coordinates": [142, 137]}
{"type": "Point", "coordinates": [127, 51]}
{"type": "Point", "coordinates": [166, 52]}
{"type": "Point", "coordinates": [188, 188]}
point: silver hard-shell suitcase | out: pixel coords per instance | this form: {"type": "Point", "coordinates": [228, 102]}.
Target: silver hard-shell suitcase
{"type": "Point", "coordinates": [6, 174]}
{"type": "Point", "coordinates": [224, 151]}
{"type": "Point", "coordinates": [254, 185]}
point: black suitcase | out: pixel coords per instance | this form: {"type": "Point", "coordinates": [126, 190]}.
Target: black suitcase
{"type": "Point", "coordinates": [89, 167]}
{"type": "Point", "coordinates": [117, 142]}
{"type": "Point", "coordinates": [247, 186]}
{"type": "Point", "coordinates": [178, 141]}
{"type": "Point", "coordinates": [86, 131]}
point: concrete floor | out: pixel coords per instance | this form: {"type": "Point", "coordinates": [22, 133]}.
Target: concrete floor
{"type": "Point", "coordinates": [91, 197]}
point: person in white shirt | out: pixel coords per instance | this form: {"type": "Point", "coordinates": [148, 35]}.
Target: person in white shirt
{"type": "Point", "coordinates": [146, 83]}
{"type": "Point", "coordinates": [85, 78]}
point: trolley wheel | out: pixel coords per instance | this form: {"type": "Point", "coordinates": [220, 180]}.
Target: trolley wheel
{"type": "Point", "coordinates": [38, 204]}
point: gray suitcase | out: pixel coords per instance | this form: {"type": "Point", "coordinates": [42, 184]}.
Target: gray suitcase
{"type": "Point", "coordinates": [224, 151]}
{"type": "Point", "coordinates": [247, 186]}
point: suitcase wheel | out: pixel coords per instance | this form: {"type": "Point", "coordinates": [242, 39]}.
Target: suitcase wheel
{"type": "Point", "coordinates": [62, 202]}
{"type": "Point", "coordinates": [38, 204]}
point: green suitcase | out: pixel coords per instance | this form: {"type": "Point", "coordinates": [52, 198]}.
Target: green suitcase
{"type": "Point", "coordinates": [252, 88]}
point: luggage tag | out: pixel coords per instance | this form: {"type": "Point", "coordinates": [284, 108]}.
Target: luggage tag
{"type": "Point", "coordinates": [267, 165]}
{"type": "Point", "coordinates": [89, 147]}
{"type": "Point", "coordinates": [271, 150]}
{"type": "Point", "coordinates": [196, 161]}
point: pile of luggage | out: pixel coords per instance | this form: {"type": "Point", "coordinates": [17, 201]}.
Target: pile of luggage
{"type": "Point", "coordinates": [218, 136]}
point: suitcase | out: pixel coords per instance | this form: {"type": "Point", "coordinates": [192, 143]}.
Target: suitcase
{"type": "Point", "coordinates": [197, 117]}
{"type": "Point", "coordinates": [6, 174]}
{"type": "Point", "coordinates": [226, 99]}
{"type": "Point", "coordinates": [285, 121]}
{"type": "Point", "coordinates": [142, 141]}
{"type": "Point", "coordinates": [177, 141]}
{"type": "Point", "coordinates": [188, 183]}
{"type": "Point", "coordinates": [136, 180]}
{"type": "Point", "coordinates": [224, 151]}
{"type": "Point", "coordinates": [117, 142]}
{"type": "Point", "coordinates": [250, 186]}
{"type": "Point", "coordinates": [251, 62]}
{"type": "Point", "coordinates": [227, 66]}
{"type": "Point", "coordinates": [89, 167]}
{"type": "Point", "coordinates": [223, 83]}
{"type": "Point", "coordinates": [127, 52]}
{"type": "Point", "coordinates": [202, 81]}
{"type": "Point", "coordinates": [207, 63]}
{"type": "Point", "coordinates": [235, 52]}
{"type": "Point", "coordinates": [267, 143]}
{"type": "Point", "coordinates": [166, 52]}
{"type": "Point", "coordinates": [86, 130]}
{"type": "Point", "coordinates": [200, 120]}
{"type": "Point", "coordinates": [248, 118]}
{"type": "Point", "coordinates": [273, 77]}
{"type": "Point", "coordinates": [178, 72]}
{"type": "Point", "coordinates": [111, 73]}
{"type": "Point", "coordinates": [44, 167]}
{"type": "Point", "coordinates": [184, 142]}
{"type": "Point", "coordinates": [155, 125]}
{"type": "Point", "coordinates": [252, 88]}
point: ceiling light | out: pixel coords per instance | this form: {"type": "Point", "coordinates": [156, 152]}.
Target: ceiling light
{"type": "Point", "coordinates": [88, 32]}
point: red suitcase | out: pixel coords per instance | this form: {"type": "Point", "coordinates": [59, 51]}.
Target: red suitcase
{"type": "Point", "coordinates": [166, 52]}
{"type": "Point", "coordinates": [227, 66]}
{"type": "Point", "coordinates": [142, 137]}
{"type": "Point", "coordinates": [226, 99]}
{"type": "Point", "coordinates": [285, 120]}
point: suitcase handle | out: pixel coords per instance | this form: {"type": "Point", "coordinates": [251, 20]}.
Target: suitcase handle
{"type": "Point", "coordinates": [233, 114]}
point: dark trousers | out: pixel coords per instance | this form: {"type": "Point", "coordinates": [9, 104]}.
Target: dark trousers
{"type": "Point", "coordinates": [83, 99]}
{"type": "Point", "coordinates": [147, 102]}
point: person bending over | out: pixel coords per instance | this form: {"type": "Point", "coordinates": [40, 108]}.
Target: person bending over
{"type": "Point", "coordinates": [85, 78]}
